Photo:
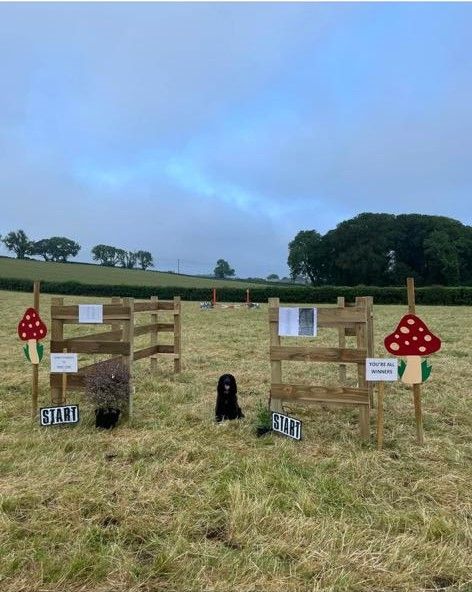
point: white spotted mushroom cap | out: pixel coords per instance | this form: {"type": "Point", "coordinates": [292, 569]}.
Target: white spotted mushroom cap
{"type": "Point", "coordinates": [31, 326]}
{"type": "Point", "coordinates": [412, 338]}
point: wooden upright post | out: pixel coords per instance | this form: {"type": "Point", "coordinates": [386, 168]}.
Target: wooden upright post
{"type": "Point", "coordinates": [275, 365]}
{"type": "Point", "coordinates": [154, 333]}
{"type": "Point", "coordinates": [35, 380]}
{"type": "Point", "coordinates": [177, 335]}
{"type": "Point", "coordinates": [57, 334]}
{"type": "Point", "coordinates": [410, 286]}
{"type": "Point", "coordinates": [342, 344]}
{"type": "Point", "coordinates": [213, 298]}
{"type": "Point", "coordinates": [128, 337]}
{"type": "Point", "coordinates": [361, 339]}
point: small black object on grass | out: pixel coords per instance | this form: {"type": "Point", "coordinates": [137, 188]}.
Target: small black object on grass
{"type": "Point", "coordinates": [108, 387]}
{"type": "Point", "coordinates": [226, 399]}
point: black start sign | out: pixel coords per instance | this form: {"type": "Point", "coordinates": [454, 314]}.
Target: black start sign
{"type": "Point", "coordinates": [66, 414]}
{"type": "Point", "coordinates": [288, 426]}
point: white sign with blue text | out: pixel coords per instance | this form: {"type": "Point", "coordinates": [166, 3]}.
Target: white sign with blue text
{"type": "Point", "coordinates": [288, 426]}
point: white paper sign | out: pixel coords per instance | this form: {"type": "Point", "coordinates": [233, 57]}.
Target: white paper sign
{"type": "Point", "coordinates": [296, 322]}
{"type": "Point", "coordinates": [90, 313]}
{"type": "Point", "coordinates": [381, 369]}
{"type": "Point", "coordinates": [63, 363]}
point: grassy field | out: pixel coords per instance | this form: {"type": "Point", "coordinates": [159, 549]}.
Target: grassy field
{"type": "Point", "coordinates": [177, 503]}
{"type": "Point", "coordinates": [96, 274]}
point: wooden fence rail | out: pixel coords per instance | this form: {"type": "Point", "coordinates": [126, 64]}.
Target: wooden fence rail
{"type": "Point", "coordinates": [118, 342]}
{"type": "Point", "coordinates": [354, 320]}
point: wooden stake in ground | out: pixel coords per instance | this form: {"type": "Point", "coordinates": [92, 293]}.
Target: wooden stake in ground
{"type": "Point", "coordinates": [410, 285]}
{"type": "Point", "coordinates": [380, 415]}
{"type": "Point", "coordinates": [35, 381]}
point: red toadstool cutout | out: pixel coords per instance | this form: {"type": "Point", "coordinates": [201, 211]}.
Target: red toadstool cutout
{"type": "Point", "coordinates": [31, 329]}
{"type": "Point", "coordinates": [412, 339]}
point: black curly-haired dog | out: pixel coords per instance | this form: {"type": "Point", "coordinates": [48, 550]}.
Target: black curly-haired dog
{"type": "Point", "coordinates": [226, 400]}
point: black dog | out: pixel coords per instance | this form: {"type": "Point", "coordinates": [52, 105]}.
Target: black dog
{"type": "Point", "coordinates": [226, 400]}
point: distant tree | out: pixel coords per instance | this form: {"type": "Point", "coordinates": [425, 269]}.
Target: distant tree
{"type": "Point", "coordinates": [18, 243]}
{"type": "Point", "coordinates": [106, 255]}
{"type": "Point", "coordinates": [223, 269]}
{"type": "Point", "coordinates": [272, 276]}
{"type": "Point", "coordinates": [306, 256]}
{"type": "Point", "coordinates": [127, 259]}
{"type": "Point", "coordinates": [56, 248]}
{"type": "Point", "coordinates": [144, 259]}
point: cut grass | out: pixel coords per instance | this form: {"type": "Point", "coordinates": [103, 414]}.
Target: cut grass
{"type": "Point", "coordinates": [97, 274]}
{"type": "Point", "coordinates": [178, 503]}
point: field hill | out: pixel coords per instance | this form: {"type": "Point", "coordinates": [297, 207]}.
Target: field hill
{"type": "Point", "coordinates": [96, 274]}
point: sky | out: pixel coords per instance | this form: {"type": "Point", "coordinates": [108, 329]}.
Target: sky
{"type": "Point", "coordinates": [201, 131]}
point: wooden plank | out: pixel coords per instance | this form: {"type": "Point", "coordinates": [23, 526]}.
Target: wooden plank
{"type": "Point", "coordinates": [177, 335]}
{"type": "Point", "coordinates": [145, 305]}
{"type": "Point", "coordinates": [333, 394]}
{"type": "Point", "coordinates": [91, 347]}
{"type": "Point", "coordinates": [74, 381]}
{"type": "Point", "coordinates": [166, 349]}
{"type": "Point", "coordinates": [361, 338]}
{"type": "Point", "coordinates": [317, 354]}
{"type": "Point", "coordinates": [153, 337]}
{"type": "Point", "coordinates": [166, 305]}
{"type": "Point", "coordinates": [114, 335]}
{"type": "Point", "coordinates": [342, 342]}
{"type": "Point", "coordinates": [57, 334]}
{"type": "Point", "coordinates": [111, 312]}
{"type": "Point", "coordinates": [145, 352]}
{"type": "Point", "coordinates": [152, 328]}
{"type": "Point", "coordinates": [350, 332]}
{"type": "Point", "coordinates": [275, 365]}
{"type": "Point", "coordinates": [332, 317]}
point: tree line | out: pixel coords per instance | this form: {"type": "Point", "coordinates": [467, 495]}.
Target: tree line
{"type": "Point", "coordinates": [60, 248]}
{"type": "Point", "coordinates": [384, 249]}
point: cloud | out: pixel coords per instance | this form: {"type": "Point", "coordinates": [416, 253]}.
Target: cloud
{"type": "Point", "coordinates": [201, 131]}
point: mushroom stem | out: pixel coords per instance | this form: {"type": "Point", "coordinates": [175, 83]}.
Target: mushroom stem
{"type": "Point", "coordinates": [412, 374]}
{"type": "Point", "coordinates": [33, 351]}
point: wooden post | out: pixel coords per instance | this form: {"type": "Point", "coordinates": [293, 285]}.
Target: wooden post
{"type": "Point", "coordinates": [177, 335]}
{"type": "Point", "coordinates": [213, 299]}
{"type": "Point", "coordinates": [35, 378]}
{"type": "Point", "coordinates": [275, 365]}
{"type": "Point", "coordinates": [248, 298]}
{"type": "Point", "coordinates": [380, 415]}
{"type": "Point", "coordinates": [154, 334]}
{"type": "Point", "coordinates": [57, 334]}
{"type": "Point", "coordinates": [342, 344]}
{"type": "Point", "coordinates": [410, 286]}
{"type": "Point", "coordinates": [361, 338]}
{"type": "Point", "coordinates": [128, 337]}
{"type": "Point", "coordinates": [369, 301]}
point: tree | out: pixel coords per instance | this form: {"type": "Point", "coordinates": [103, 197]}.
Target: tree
{"type": "Point", "coordinates": [56, 248]}
{"type": "Point", "coordinates": [441, 260]}
{"type": "Point", "coordinates": [306, 256]}
{"type": "Point", "coordinates": [272, 276]}
{"type": "Point", "coordinates": [223, 269]}
{"type": "Point", "coordinates": [18, 243]}
{"type": "Point", "coordinates": [127, 259]}
{"type": "Point", "coordinates": [144, 259]}
{"type": "Point", "coordinates": [106, 255]}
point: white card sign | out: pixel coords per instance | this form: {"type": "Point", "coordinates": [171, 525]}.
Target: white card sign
{"type": "Point", "coordinates": [381, 369]}
{"type": "Point", "coordinates": [67, 414]}
{"type": "Point", "coordinates": [296, 322]}
{"type": "Point", "coordinates": [90, 313]}
{"type": "Point", "coordinates": [288, 426]}
{"type": "Point", "coordinates": [64, 363]}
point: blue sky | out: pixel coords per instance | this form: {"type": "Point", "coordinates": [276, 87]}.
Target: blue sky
{"type": "Point", "coordinates": [199, 131]}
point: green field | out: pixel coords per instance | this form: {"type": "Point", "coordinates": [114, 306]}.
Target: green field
{"type": "Point", "coordinates": [177, 503]}
{"type": "Point", "coordinates": [96, 274]}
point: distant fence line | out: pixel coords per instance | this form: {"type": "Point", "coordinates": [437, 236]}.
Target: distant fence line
{"type": "Point", "coordinates": [434, 295]}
